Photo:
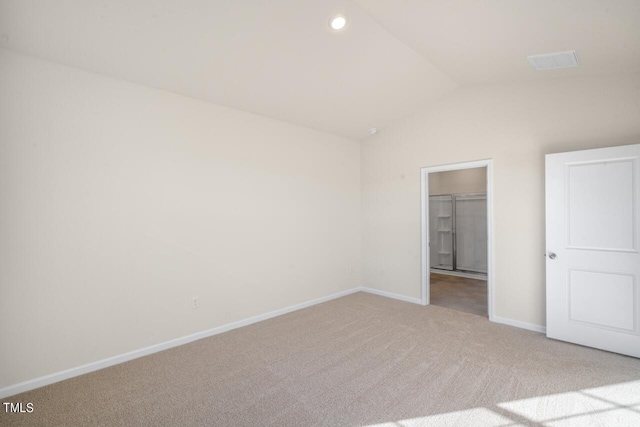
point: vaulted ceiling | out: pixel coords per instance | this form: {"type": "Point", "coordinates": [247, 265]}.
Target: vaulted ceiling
{"type": "Point", "coordinates": [278, 58]}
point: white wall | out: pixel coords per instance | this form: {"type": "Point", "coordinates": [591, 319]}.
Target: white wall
{"type": "Point", "coordinates": [473, 180]}
{"type": "Point", "coordinates": [513, 124]}
{"type": "Point", "coordinates": [120, 202]}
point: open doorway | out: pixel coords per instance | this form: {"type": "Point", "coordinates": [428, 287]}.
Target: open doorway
{"type": "Point", "coordinates": [457, 237]}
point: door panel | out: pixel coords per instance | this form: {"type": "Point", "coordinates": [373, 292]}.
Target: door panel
{"type": "Point", "coordinates": [604, 191]}
{"type": "Point", "coordinates": [592, 215]}
{"type": "Point", "coordinates": [612, 292]}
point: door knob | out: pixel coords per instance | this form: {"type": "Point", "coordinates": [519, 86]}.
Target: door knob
{"type": "Point", "coordinates": [552, 255]}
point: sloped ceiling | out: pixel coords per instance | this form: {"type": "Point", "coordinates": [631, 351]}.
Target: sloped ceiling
{"type": "Point", "coordinates": [279, 59]}
{"type": "Point", "coordinates": [487, 41]}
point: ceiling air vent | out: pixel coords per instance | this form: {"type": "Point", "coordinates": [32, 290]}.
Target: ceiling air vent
{"type": "Point", "coordinates": [550, 61]}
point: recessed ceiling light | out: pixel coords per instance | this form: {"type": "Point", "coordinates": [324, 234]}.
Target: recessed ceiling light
{"type": "Point", "coordinates": [338, 22]}
{"type": "Point", "coordinates": [373, 131]}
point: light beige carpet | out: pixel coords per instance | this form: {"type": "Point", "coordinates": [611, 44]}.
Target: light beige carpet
{"type": "Point", "coordinates": [459, 293]}
{"type": "Point", "coordinates": [357, 360]}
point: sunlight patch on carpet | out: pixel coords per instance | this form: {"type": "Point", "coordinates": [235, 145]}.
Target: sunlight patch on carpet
{"type": "Point", "coordinates": [611, 405]}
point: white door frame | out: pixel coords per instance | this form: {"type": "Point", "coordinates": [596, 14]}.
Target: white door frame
{"type": "Point", "coordinates": [424, 192]}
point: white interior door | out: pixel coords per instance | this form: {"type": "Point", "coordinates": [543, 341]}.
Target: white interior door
{"type": "Point", "coordinates": [593, 234]}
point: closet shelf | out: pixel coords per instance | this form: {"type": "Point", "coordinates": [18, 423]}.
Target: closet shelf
{"type": "Point", "coordinates": [444, 253]}
{"type": "Point", "coordinates": [444, 231]}
{"type": "Point", "coordinates": [444, 216]}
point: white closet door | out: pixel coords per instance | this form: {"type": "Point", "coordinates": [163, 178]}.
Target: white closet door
{"type": "Point", "coordinates": [471, 233]}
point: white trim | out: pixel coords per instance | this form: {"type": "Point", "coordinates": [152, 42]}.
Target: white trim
{"type": "Point", "coordinates": [424, 215]}
{"type": "Point", "coordinates": [391, 295]}
{"type": "Point", "coordinates": [424, 235]}
{"type": "Point", "coordinates": [121, 358]}
{"type": "Point", "coordinates": [458, 166]}
{"type": "Point", "coordinates": [491, 247]}
{"type": "Point", "coordinates": [456, 273]}
{"type": "Point", "coordinates": [520, 324]}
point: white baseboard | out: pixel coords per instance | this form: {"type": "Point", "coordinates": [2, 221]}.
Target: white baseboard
{"type": "Point", "coordinates": [110, 361]}
{"type": "Point", "coordinates": [519, 324]}
{"type": "Point", "coordinates": [121, 358]}
{"type": "Point", "coordinates": [496, 319]}
{"type": "Point", "coordinates": [391, 295]}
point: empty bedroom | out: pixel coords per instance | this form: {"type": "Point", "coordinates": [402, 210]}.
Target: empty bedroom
{"type": "Point", "coordinates": [305, 213]}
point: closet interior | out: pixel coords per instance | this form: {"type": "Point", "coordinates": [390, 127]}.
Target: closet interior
{"type": "Point", "coordinates": [458, 240]}
{"type": "Point", "coordinates": [458, 232]}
